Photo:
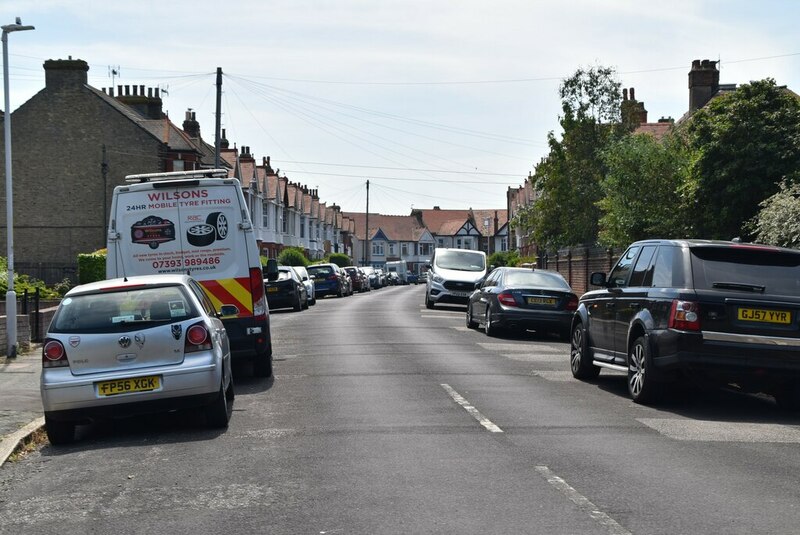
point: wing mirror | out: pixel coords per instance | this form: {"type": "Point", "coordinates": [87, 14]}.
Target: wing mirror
{"type": "Point", "coordinates": [598, 278]}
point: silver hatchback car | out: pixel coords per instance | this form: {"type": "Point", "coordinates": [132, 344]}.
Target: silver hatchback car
{"type": "Point", "coordinates": [132, 346]}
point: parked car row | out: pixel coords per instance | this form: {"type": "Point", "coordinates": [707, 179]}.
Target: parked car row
{"type": "Point", "coordinates": [716, 313]}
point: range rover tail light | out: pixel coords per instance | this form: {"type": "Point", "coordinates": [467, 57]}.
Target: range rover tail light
{"type": "Point", "coordinates": [684, 315]}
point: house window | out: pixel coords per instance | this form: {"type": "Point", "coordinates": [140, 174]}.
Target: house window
{"type": "Point", "coordinates": [440, 241]}
{"type": "Point", "coordinates": [265, 215]}
{"type": "Point", "coordinates": [277, 217]}
{"type": "Point", "coordinates": [302, 227]}
{"type": "Point", "coordinates": [377, 248]}
{"type": "Point", "coordinates": [504, 243]}
{"type": "Point", "coordinates": [403, 249]}
{"type": "Point", "coordinates": [178, 165]}
{"type": "Point", "coordinates": [285, 221]}
{"type": "Point", "coordinates": [425, 249]}
{"type": "Point", "coordinates": [392, 248]}
{"type": "Point", "coordinates": [459, 243]}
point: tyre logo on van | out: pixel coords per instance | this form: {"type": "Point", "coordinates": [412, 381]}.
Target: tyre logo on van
{"type": "Point", "coordinates": [153, 231]}
{"type": "Point", "coordinates": [203, 234]}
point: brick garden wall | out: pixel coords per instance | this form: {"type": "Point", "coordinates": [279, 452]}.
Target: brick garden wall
{"type": "Point", "coordinates": [576, 264]}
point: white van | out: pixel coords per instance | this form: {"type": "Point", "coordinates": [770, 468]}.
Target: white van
{"type": "Point", "coordinates": [197, 223]}
{"type": "Point", "coordinates": [452, 275]}
{"type": "Point", "coordinates": [399, 267]}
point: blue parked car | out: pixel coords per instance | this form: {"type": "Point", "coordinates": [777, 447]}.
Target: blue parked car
{"type": "Point", "coordinates": [412, 278]}
{"type": "Point", "coordinates": [328, 280]}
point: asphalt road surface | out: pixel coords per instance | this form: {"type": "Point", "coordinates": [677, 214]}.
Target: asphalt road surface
{"type": "Point", "coordinates": [386, 417]}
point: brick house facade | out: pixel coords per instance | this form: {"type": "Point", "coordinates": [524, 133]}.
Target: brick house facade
{"type": "Point", "coordinates": [72, 144]}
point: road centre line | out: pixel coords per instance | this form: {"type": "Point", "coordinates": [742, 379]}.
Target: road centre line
{"type": "Point", "coordinates": [582, 502]}
{"type": "Point", "coordinates": [484, 421]}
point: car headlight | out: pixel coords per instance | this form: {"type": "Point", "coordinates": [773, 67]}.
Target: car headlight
{"type": "Point", "coordinates": [437, 279]}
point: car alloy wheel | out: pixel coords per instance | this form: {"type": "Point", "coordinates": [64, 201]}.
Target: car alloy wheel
{"type": "Point", "coordinates": [579, 359]}
{"type": "Point", "coordinates": [487, 327]}
{"type": "Point", "coordinates": [471, 324]}
{"type": "Point", "coordinates": [641, 386]}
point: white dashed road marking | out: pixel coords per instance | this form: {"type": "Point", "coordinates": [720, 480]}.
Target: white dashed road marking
{"type": "Point", "coordinates": [707, 431]}
{"type": "Point", "coordinates": [526, 348]}
{"type": "Point", "coordinates": [582, 502]}
{"type": "Point", "coordinates": [484, 421]}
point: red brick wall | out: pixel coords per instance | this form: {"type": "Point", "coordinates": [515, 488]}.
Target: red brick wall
{"type": "Point", "coordinates": [576, 264]}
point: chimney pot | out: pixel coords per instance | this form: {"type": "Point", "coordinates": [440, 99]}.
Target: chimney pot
{"type": "Point", "coordinates": [632, 95]}
{"type": "Point", "coordinates": [127, 90]}
{"type": "Point", "coordinates": [625, 93]}
{"type": "Point", "coordinates": [141, 90]}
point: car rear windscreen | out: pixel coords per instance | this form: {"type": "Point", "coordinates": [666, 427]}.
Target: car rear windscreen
{"type": "Point", "coordinates": [122, 311]}
{"type": "Point", "coordinates": [749, 269]}
{"type": "Point", "coordinates": [535, 279]}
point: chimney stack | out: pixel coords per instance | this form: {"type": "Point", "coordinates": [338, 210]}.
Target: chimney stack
{"type": "Point", "coordinates": [703, 83]}
{"type": "Point", "coordinates": [65, 74]}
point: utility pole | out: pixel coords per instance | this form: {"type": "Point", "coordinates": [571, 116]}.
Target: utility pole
{"type": "Point", "coordinates": [218, 128]}
{"type": "Point", "coordinates": [367, 252]}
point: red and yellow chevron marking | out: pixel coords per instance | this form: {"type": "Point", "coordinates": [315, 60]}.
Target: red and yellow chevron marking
{"type": "Point", "coordinates": [230, 292]}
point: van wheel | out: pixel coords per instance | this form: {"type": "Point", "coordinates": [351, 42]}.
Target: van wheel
{"type": "Point", "coordinates": [428, 302]}
{"type": "Point", "coordinates": [262, 365]}
{"type": "Point", "coordinates": [220, 224]}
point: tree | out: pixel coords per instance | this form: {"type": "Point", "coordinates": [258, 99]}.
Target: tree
{"type": "Point", "coordinates": [567, 181]}
{"type": "Point", "coordinates": [745, 142]}
{"type": "Point", "coordinates": [777, 223]}
{"type": "Point", "coordinates": [643, 190]}
{"type": "Point", "coordinates": [503, 258]}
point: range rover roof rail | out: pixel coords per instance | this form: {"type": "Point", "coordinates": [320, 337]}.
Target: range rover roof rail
{"type": "Point", "coordinates": [177, 175]}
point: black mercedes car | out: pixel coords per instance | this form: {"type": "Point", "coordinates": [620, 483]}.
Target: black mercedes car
{"type": "Point", "coordinates": [522, 298]}
{"type": "Point", "coordinates": [286, 291]}
{"type": "Point", "coordinates": [724, 311]}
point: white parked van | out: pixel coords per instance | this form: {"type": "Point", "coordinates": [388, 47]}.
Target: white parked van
{"type": "Point", "coordinates": [197, 223]}
{"type": "Point", "coordinates": [452, 275]}
{"type": "Point", "coordinates": [399, 267]}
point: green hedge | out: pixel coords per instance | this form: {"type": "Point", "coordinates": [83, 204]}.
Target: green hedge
{"type": "Point", "coordinates": [91, 267]}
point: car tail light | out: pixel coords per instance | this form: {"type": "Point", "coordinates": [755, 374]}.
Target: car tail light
{"type": "Point", "coordinates": [258, 292]}
{"type": "Point", "coordinates": [54, 355]}
{"type": "Point", "coordinates": [684, 315]}
{"type": "Point", "coordinates": [332, 277]}
{"type": "Point", "coordinates": [572, 304]}
{"type": "Point", "coordinates": [197, 339]}
{"type": "Point", "coordinates": [507, 299]}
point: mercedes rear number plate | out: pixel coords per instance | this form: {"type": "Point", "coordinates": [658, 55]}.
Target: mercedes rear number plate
{"type": "Point", "coordinates": [125, 386]}
{"type": "Point", "coordinates": [765, 316]}
{"type": "Point", "coordinates": [550, 301]}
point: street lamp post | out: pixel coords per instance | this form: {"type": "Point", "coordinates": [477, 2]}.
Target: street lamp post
{"type": "Point", "coordinates": [11, 295]}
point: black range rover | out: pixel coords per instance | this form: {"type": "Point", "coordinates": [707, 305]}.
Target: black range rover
{"type": "Point", "coordinates": [725, 311]}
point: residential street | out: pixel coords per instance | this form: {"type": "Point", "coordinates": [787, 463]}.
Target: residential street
{"type": "Point", "coordinates": [386, 417]}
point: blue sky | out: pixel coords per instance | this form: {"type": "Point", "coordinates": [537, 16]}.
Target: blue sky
{"type": "Point", "coordinates": [437, 103]}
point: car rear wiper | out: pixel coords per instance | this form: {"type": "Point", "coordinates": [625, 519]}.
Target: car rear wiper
{"type": "Point", "coordinates": [739, 286]}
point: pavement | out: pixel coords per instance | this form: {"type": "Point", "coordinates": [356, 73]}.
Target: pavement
{"type": "Point", "coordinates": [20, 402]}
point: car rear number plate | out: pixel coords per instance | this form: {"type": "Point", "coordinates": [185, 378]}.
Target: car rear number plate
{"type": "Point", "coordinates": [550, 301]}
{"type": "Point", "coordinates": [124, 386]}
{"type": "Point", "coordinates": [272, 289]}
{"type": "Point", "coordinates": [765, 316]}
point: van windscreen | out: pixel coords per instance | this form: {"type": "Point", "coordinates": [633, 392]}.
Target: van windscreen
{"type": "Point", "coordinates": [461, 260]}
